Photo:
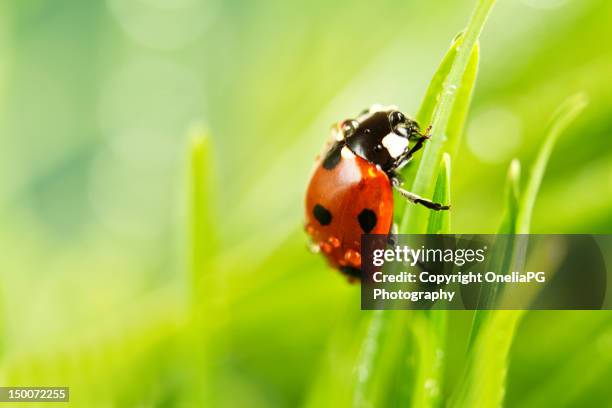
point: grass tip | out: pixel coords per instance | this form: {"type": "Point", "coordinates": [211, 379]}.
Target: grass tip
{"type": "Point", "coordinates": [198, 135]}
{"type": "Point", "coordinates": [446, 160]}
{"type": "Point", "coordinates": [515, 169]}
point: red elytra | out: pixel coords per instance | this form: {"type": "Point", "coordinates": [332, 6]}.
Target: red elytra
{"type": "Point", "coordinates": [344, 202]}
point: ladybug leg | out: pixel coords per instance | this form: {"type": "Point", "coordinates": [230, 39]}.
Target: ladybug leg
{"type": "Point", "coordinates": [418, 145]}
{"type": "Point", "coordinates": [396, 178]}
{"type": "Point", "coordinates": [420, 140]}
{"type": "Point", "coordinates": [417, 135]}
{"type": "Point", "coordinates": [420, 200]}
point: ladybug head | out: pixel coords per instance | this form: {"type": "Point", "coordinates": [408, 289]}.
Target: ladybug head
{"type": "Point", "coordinates": [381, 136]}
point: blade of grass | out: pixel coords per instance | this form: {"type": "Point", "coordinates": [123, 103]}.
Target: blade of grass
{"type": "Point", "coordinates": [202, 241]}
{"type": "Point", "coordinates": [446, 102]}
{"type": "Point", "coordinates": [513, 188]}
{"type": "Point", "coordinates": [202, 285]}
{"type": "Point", "coordinates": [484, 381]}
{"type": "Point", "coordinates": [450, 89]}
{"type": "Point", "coordinates": [439, 221]}
{"type": "Point", "coordinates": [501, 259]}
{"type": "Point", "coordinates": [561, 119]}
{"type": "Point", "coordinates": [449, 100]}
{"type": "Point", "coordinates": [413, 218]}
{"type": "Point", "coordinates": [458, 115]}
{"type": "Point", "coordinates": [434, 91]}
{"type": "Point", "coordinates": [430, 327]}
{"type": "Point", "coordinates": [381, 351]}
{"type": "Point", "coordinates": [367, 358]}
{"type": "Point", "coordinates": [436, 85]}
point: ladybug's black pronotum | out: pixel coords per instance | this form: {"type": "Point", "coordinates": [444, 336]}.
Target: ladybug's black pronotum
{"type": "Point", "coordinates": [351, 189]}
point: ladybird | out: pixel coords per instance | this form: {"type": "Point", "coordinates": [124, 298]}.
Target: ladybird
{"type": "Point", "coordinates": [351, 188]}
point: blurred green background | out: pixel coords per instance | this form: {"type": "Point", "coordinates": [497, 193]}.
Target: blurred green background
{"type": "Point", "coordinates": [98, 101]}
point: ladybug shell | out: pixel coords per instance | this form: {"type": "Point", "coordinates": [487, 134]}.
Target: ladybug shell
{"type": "Point", "coordinates": [347, 196]}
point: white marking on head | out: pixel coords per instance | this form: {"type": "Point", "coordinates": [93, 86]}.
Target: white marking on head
{"type": "Point", "coordinates": [395, 145]}
{"type": "Point", "coordinates": [346, 153]}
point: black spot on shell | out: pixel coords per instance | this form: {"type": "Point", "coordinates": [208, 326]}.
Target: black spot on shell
{"type": "Point", "coordinates": [322, 214]}
{"type": "Point", "coordinates": [367, 220]}
{"type": "Point", "coordinates": [332, 158]}
{"type": "Point", "coordinates": [350, 271]}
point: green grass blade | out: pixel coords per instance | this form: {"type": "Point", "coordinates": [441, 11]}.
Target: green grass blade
{"type": "Point", "coordinates": [380, 360]}
{"type": "Point", "coordinates": [445, 106]}
{"type": "Point", "coordinates": [461, 105]}
{"type": "Point", "coordinates": [430, 327]}
{"type": "Point", "coordinates": [446, 103]}
{"type": "Point", "coordinates": [561, 119]}
{"type": "Point", "coordinates": [201, 240]}
{"type": "Point", "coordinates": [484, 382]}
{"type": "Point", "coordinates": [458, 115]}
{"type": "Point", "coordinates": [501, 260]}
{"type": "Point", "coordinates": [436, 85]}
{"type": "Point", "coordinates": [367, 359]}
{"type": "Point", "coordinates": [203, 282]}
{"type": "Point", "coordinates": [439, 221]}
{"type": "Point", "coordinates": [385, 340]}
{"type": "Point", "coordinates": [430, 333]}
{"type": "Point", "coordinates": [512, 199]}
